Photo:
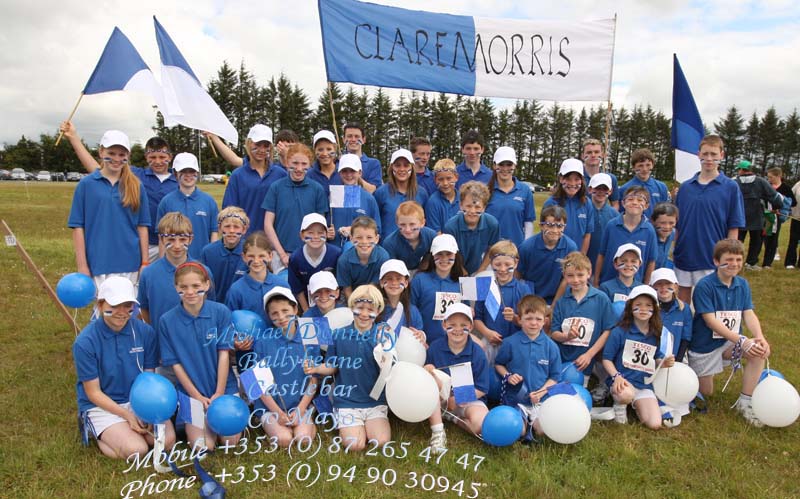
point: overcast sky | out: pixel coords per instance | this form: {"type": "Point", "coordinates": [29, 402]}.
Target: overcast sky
{"type": "Point", "coordinates": [732, 51]}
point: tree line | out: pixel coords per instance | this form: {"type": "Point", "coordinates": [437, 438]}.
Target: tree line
{"type": "Point", "coordinates": [542, 134]}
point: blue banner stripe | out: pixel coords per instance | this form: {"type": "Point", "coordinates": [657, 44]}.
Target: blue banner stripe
{"type": "Point", "coordinates": [170, 55]}
{"type": "Point", "coordinates": [464, 394]}
{"type": "Point", "coordinates": [687, 127]}
{"type": "Point", "coordinates": [117, 65]}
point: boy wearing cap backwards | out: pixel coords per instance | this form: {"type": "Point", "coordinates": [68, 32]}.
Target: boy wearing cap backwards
{"type": "Point", "coordinates": [474, 229]}
{"type": "Point", "coordinates": [722, 302]}
{"type": "Point", "coordinates": [324, 292]}
{"type": "Point", "coordinates": [510, 201]}
{"type": "Point", "coordinates": [570, 194]}
{"type": "Point", "coordinates": [350, 174]}
{"type": "Point", "coordinates": [592, 157]}
{"type": "Point", "coordinates": [643, 161]}
{"type": "Point", "coordinates": [458, 348]}
{"type": "Point", "coordinates": [248, 185]}
{"type": "Point", "coordinates": [629, 227]}
{"type": "Point", "coordinates": [372, 171]}
{"type": "Point", "coordinates": [421, 149]}
{"type": "Point", "coordinates": [361, 264]}
{"type": "Point", "coordinates": [627, 261]}
{"type": "Point", "coordinates": [711, 209]}
{"type": "Point", "coordinates": [315, 255]}
{"type": "Point", "coordinates": [224, 256]}
{"type": "Point", "coordinates": [197, 205]}
{"type": "Point", "coordinates": [757, 193]}
{"type": "Point", "coordinates": [600, 189]}
{"type": "Point", "coordinates": [411, 240]}
{"type": "Point", "coordinates": [472, 168]}
{"type": "Point", "coordinates": [401, 186]}
{"type": "Point", "coordinates": [323, 170]}
{"type": "Point", "coordinates": [442, 204]}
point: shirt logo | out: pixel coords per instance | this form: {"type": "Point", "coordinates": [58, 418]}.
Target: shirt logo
{"type": "Point", "coordinates": [544, 362]}
{"type": "Point", "coordinates": [362, 211]}
{"type": "Point", "coordinates": [678, 323]}
{"type": "Point", "coordinates": [517, 198]}
{"type": "Point", "coordinates": [136, 350]}
{"type": "Point", "coordinates": [211, 335]}
{"type": "Point", "coordinates": [201, 213]}
{"type": "Point", "coordinates": [239, 272]}
{"type": "Point", "coordinates": [581, 215]}
{"type": "Point", "coordinates": [641, 243]}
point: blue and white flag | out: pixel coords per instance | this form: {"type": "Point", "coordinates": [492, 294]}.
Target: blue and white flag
{"type": "Point", "coordinates": [345, 196]}
{"type": "Point", "coordinates": [257, 382]}
{"type": "Point", "coordinates": [482, 288]}
{"type": "Point", "coordinates": [186, 101]}
{"type": "Point", "coordinates": [314, 331]}
{"type": "Point", "coordinates": [386, 46]}
{"type": "Point", "coordinates": [687, 127]}
{"type": "Point", "coordinates": [463, 383]}
{"type": "Point", "coordinates": [191, 410]}
{"type": "Point", "coordinates": [666, 345]}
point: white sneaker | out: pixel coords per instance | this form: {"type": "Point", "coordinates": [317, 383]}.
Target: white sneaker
{"type": "Point", "coordinates": [600, 392]}
{"type": "Point", "coordinates": [621, 413]}
{"type": "Point", "coordinates": [752, 267]}
{"type": "Point", "coordinates": [746, 410]}
{"type": "Point", "coordinates": [790, 267]}
{"type": "Point", "coordinates": [777, 257]}
{"type": "Point", "coordinates": [438, 442]}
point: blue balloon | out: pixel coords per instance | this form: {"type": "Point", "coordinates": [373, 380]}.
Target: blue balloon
{"type": "Point", "coordinates": [153, 398]}
{"type": "Point", "coordinates": [75, 290]}
{"type": "Point", "coordinates": [770, 372]}
{"type": "Point", "coordinates": [619, 308]}
{"type": "Point", "coordinates": [571, 374]}
{"type": "Point", "coordinates": [584, 394]}
{"type": "Point", "coordinates": [495, 383]}
{"type": "Point", "coordinates": [247, 323]}
{"type": "Point", "coordinates": [502, 426]}
{"type": "Point", "coordinates": [228, 415]}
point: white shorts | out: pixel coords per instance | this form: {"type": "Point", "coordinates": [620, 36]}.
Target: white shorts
{"type": "Point", "coordinates": [101, 419]}
{"type": "Point", "coordinates": [708, 364]}
{"type": "Point", "coordinates": [644, 393]}
{"type": "Point", "coordinates": [461, 410]}
{"type": "Point", "coordinates": [351, 417]}
{"type": "Point", "coordinates": [688, 278]}
{"type": "Point", "coordinates": [531, 411]}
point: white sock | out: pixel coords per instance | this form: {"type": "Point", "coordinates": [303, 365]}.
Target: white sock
{"type": "Point", "coordinates": [585, 381]}
{"type": "Point", "coordinates": [744, 398]}
{"type": "Point", "coordinates": [436, 428]}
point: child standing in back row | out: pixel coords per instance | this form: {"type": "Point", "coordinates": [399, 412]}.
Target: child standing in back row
{"type": "Point", "coordinates": [473, 229]}
{"type": "Point", "coordinates": [442, 205]}
{"type": "Point", "coordinates": [224, 257]}
{"type": "Point", "coordinates": [571, 195]}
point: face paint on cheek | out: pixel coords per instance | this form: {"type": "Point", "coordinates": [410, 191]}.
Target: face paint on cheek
{"type": "Point", "coordinates": [108, 313]}
{"type": "Point", "coordinates": [168, 246]}
{"type": "Point", "coordinates": [185, 246]}
{"type": "Point", "coordinates": [201, 293]}
{"type": "Point", "coordinates": [444, 260]}
{"type": "Point", "coordinates": [648, 313]}
{"type": "Point", "coordinates": [723, 266]}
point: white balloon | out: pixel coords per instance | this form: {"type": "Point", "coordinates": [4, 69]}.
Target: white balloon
{"type": "Point", "coordinates": [411, 392]}
{"type": "Point", "coordinates": [776, 402]}
{"type": "Point", "coordinates": [564, 418]}
{"type": "Point", "coordinates": [677, 385]}
{"type": "Point", "coordinates": [409, 349]}
{"type": "Point", "coordinates": [339, 317]}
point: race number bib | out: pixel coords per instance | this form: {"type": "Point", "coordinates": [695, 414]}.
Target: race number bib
{"type": "Point", "coordinates": [444, 300]}
{"type": "Point", "coordinates": [732, 320]}
{"type": "Point", "coordinates": [585, 330]}
{"type": "Point", "coordinates": [620, 297]}
{"type": "Point", "coordinates": [639, 356]}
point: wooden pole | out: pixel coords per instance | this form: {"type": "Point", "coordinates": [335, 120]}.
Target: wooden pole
{"type": "Point", "coordinates": [211, 146]}
{"type": "Point", "coordinates": [69, 118]}
{"type": "Point", "coordinates": [610, 80]}
{"type": "Point", "coordinates": [38, 274]}
{"type": "Point", "coordinates": [333, 116]}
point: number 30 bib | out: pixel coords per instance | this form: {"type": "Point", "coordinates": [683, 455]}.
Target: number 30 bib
{"type": "Point", "coordinates": [444, 300]}
{"type": "Point", "coordinates": [732, 320]}
{"type": "Point", "coordinates": [639, 356]}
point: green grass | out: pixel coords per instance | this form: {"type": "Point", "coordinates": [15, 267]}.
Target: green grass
{"type": "Point", "coordinates": [715, 455]}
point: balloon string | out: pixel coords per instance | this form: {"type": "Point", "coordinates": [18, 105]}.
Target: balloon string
{"type": "Point", "coordinates": [464, 422]}
{"type": "Point", "coordinates": [75, 321]}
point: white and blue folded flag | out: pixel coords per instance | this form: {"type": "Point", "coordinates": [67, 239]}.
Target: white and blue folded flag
{"type": "Point", "coordinates": [463, 383]}
{"type": "Point", "coordinates": [385, 46]}
{"type": "Point", "coordinates": [345, 196]}
{"type": "Point", "coordinates": [666, 345]}
{"type": "Point", "coordinates": [191, 410]}
{"type": "Point", "coordinates": [186, 101]}
{"type": "Point", "coordinates": [687, 127]}
{"type": "Point", "coordinates": [482, 288]}
{"type": "Point", "coordinates": [314, 331]}
{"type": "Point", "coordinates": [257, 382]}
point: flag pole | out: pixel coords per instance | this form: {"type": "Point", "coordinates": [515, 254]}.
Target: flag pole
{"type": "Point", "coordinates": [610, 80]}
{"type": "Point", "coordinates": [333, 115]}
{"type": "Point", "coordinates": [69, 118]}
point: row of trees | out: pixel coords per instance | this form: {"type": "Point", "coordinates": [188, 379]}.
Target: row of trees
{"type": "Point", "coordinates": [543, 135]}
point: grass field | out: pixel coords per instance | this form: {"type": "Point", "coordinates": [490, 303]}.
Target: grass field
{"type": "Point", "coordinates": [713, 455]}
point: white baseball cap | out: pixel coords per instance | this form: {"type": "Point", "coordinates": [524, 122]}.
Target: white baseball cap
{"type": "Point", "coordinates": [350, 161]}
{"type": "Point", "coordinates": [322, 280]}
{"type": "Point", "coordinates": [599, 179]}
{"type": "Point", "coordinates": [311, 219]}
{"type": "Point", "coordinates": [323, 135]}
{"type": "Point", "coordinates": [402, 153]}
{"type": "Point", "coordinates": [279, 291]}
{"type": "Point", "coordinates": [628, 247]}
{"type": "Point", "coordinates": [571, 165]}
{"type": "Point", "coordinates": [116, 290]}
{"type": "Point", "coordinates": [505, 153]}
{"type": "Point", "coordinates": [458, 308]}
{"type": "Point", "coordinates": [444, 242]}
{"type": "Point", "coordinates": [663, 274]}
{"type": "Point", "coordinates": [115, 138]}
{"type": "Point", "coordinates": [260, 133]}
{"type": "Point", "coordinates": [185, 161]}
{"type": "Point", "coordinates": [394, 266]}
{"type": "Point", "coordinates": [643, 289]}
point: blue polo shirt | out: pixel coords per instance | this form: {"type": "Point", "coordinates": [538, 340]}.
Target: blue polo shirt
{"type": "Point", "coordinates": [225, 264]}
{"type": "Point", "coordinates": [248, 294]}
{"type": "Point", "coordinates": [438, 210]}
{"type": "Point", "coordinates": [664, 251]}
{"type": "Point", "coordinates": [399, 248]}
{"type": "Point", "coordinates": [110, 358]}
{"type": "Point", "coordinates": [315, 173]}
{"type": "Point", "coordinates": [110, 229]}
{"type": "Point", "coordinates": [343, 217]}
{"type": "Point", "coordinates": [616, 345]}
{"type": "Point", "coordinates": [473, 243]}
{"type": "Point", "coordinates": [440, 355]}
{"type": "Point", "coordinates": [536, 360]}
{"type": "Point", "coordinates": [712, 296]}
{"type": "Point", "coordinates": [350, 271]}
{"type": "Point", "coordinates": [616, 234]}
{"type": "Point", "coordinates": [247, 188]}
{"type": "Point", "coordinates": [157, 292]}
{"type": "Point", "coordinates": [290, 202]}
{"type": "Point", "coordinates": [416, 317]}
{"type": "Point", "coordinates": [707, 212]}
{"type": "Point", "coordinates": [614, 195]}
{"type": "Point", "coordinates": [616, 290]}
{"type": "Point", "coordinates": [541, 266]}
{"type": "Point", "coordinates": [601, 219]}
{"type": "Point", "coordinates": [657, 189]}
{"type": "Point", "coordinates": [512, 209]}
{"type": "Point", "coordinates": [301, 270]}
{"type": "Point", "coordinates": [595, 306]}
{"type": "Point", "coordinates": [465, 175]}
{"type": "Point", "coordinates": [371, 170]}
{"type": "Point", "coordinates": [511, 294]}
{"type": "Point", "coordinates": [427, 181]}
{"type": "Point", "coordinates": [193, 342]}
{"type": "Point", "coordinates": [200, 208]}
{"type": "Point", "coordinates": [580, 217]}
{"type": "Point", "coordinates": [285, 358]}
{"type": "Point", "coordinates": [424, 287]}
{"type": "Point", "coordinates": [678, 322]}
{"type": "Point", "coordinates": [388, 203]}
{"type": "Point", "coordinates": [156, 190]}
{"type": "Point", "coordinates": [346, 348]}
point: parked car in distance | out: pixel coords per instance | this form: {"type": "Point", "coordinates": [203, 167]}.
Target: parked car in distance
{"type": "Point", "coordinates": [5, 175]}
{"type": "Point", "coordinates": [18, 174]}
{"type": "Point", "coordinates": [57, 177]}
{"type": "Point", "coordinates": [30, 176]}
{"type": "Point", "coordinates": [534, 187]}
{"type": "Point", "coordinates": [73, 177]}
{"type": "Point", "coordinates": [208, 179]}
{"type": "Point", "coordinates": [43, 176]}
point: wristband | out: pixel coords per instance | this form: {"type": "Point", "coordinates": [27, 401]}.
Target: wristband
{"type": "Point", "coordinates": [614, 377]}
